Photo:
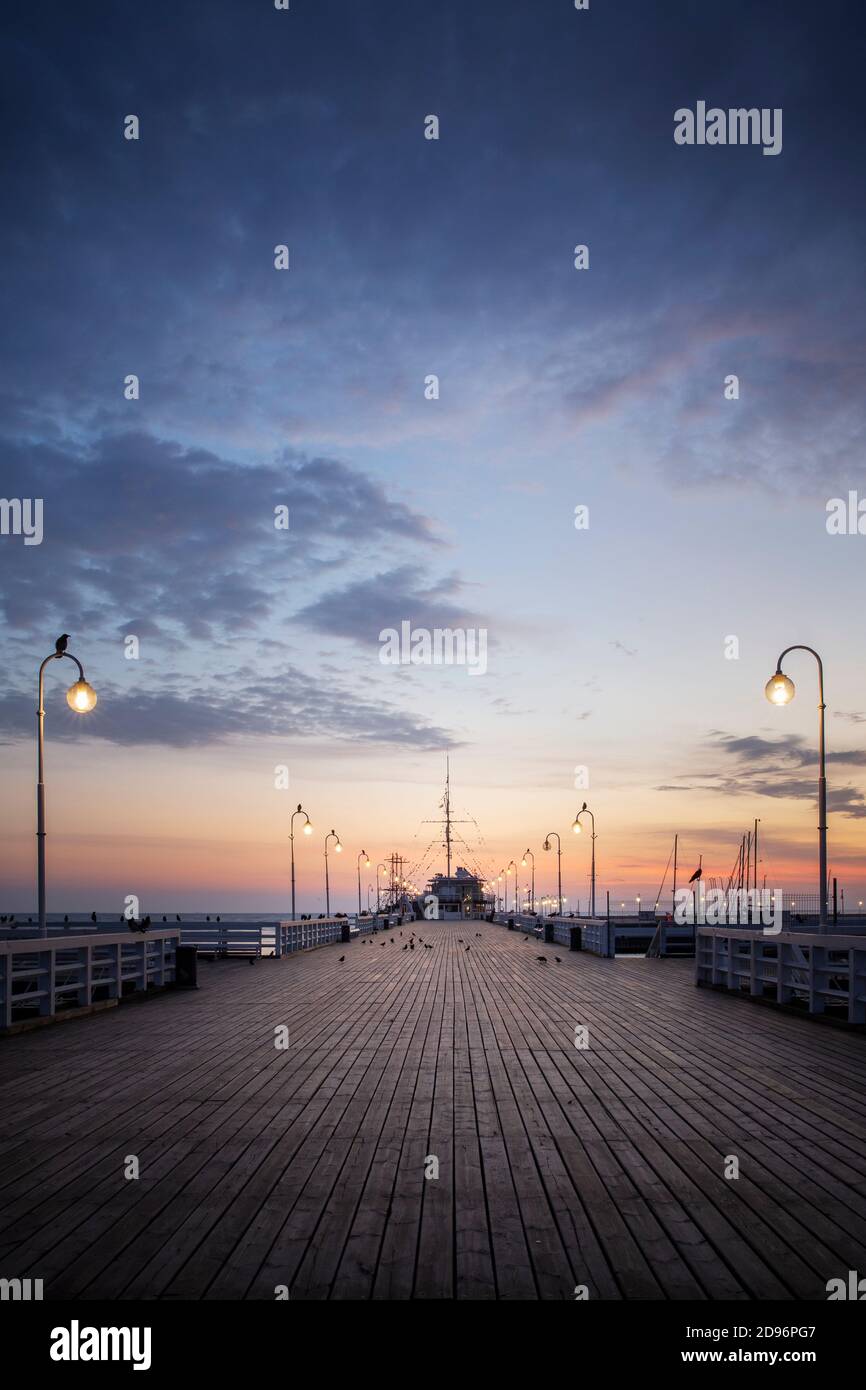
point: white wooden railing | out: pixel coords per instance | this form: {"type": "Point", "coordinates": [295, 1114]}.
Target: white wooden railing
{"type": "Point", "coordinates": [824, 974]}
{"type": "Point", "coordinates": [48, 976]}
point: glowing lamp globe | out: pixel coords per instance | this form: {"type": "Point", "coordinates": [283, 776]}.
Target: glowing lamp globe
{"type": "Point", "coordinates": [308, 829]}
{"type": "Point", "coordinates": [779, 689]}
{"type": "Point", "coordinates": [338, 847]}
{"type": "Point", "coordinates": [81, 697]}
{"type": "Point", "coordinates": [577, 827]}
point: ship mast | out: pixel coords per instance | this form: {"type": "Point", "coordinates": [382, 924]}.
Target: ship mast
{"type": "Point", "coordinates": [448, 816]}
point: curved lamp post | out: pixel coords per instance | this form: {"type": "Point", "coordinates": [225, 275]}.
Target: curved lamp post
{"type": "Point", "coordinates": [366, 858]}
{"type": "Point", "coordinates": [81, 698]}
{"type": "Point", "coordinates": [532, 889]}
{"type": "Point", "coordinates": [308, 830]}
{"type": "Point", "coordinates": [380, 869]}
{"type": "Point", "coordinates": [780, 690]}
{"type": "Point", "coordinates": [507, 872]}
{"type": "Point", "coordinates": [577, 828]}
{"type": "Point", "coordinates": [546, 845]}
{"type": "Point", "coordinates": [338, 849]}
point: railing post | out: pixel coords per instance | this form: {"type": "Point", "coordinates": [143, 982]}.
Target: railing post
{"type": "Point", "coordinates": [50, 1007]}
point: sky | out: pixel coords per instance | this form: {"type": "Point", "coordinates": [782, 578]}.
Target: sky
{"type": "Point", "coordinates": [608, 648]}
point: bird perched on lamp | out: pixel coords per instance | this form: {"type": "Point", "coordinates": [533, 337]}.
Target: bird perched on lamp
{"type": "Point", "coordinates": [698, 871]}
{"type": "Point", "coordinates": [61, 643]}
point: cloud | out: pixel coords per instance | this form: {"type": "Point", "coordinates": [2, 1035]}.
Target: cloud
{"type": "Point", "coordinates": [146, 535]}
{"type": "Point", "coordinates": [364, 608]}
{"type": "Point", "coordinates": [765, 767]}
{"type": "Point", "coordinates": [284, 704]}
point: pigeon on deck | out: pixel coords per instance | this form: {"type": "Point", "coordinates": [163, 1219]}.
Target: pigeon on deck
{"type": "Point", "coordinates": [342, 958]}
{"type": "Point", "coordinates": [558, 960]}
{"type": "Point", "coordinates": [541, 958]}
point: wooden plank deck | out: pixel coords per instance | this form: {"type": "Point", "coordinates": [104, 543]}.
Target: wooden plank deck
{"type": "Point", "coordinates": [557, 1166]}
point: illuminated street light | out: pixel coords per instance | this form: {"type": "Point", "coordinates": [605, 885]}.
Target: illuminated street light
{"type": "Point", "coordinates": [363, 855]}
{"type": "Point", "coordinates": [81, 698]}
{"type": "Point", "coordinates": [577, 828]}
{"type": "Point", "coordinates": [532, 889]}
{"type": "Point", "coordinates": [546, 845]}
{"type": "Point", "coordinates": [780, 690]}
{"type": "Point", "coordinates": [308, 830]}
{"type": "Point", "coordinates": [338, 849]}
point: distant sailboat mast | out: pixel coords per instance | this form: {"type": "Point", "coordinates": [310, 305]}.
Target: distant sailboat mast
{"type": "Point", "coordinates": [448, 816]}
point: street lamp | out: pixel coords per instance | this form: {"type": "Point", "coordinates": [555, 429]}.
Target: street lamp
{"type": "Point", "coordinates": [81, 698]}
{"type": "Point", "coordinates": [308, 830]}
{"type": "Point", "coordinates": [338, 849]}
{"type": "Point", "coordinates": [363, 855]}
{"type": "Point", "coordinates": [780, 690]}
{"type": "Point", "coordinates": [532, 889]}
{"type": "Point", "coordinates": [382, 869]}
{"type": "Point", "coordinates": [546, 845]}
{"type": "Point", "coordinates": [577, 828]}
{"type": "Point", "coordinates": [508, 871]}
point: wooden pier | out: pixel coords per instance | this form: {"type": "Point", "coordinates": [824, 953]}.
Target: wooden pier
{"type": "Point", "coordinates": [303, 1168]}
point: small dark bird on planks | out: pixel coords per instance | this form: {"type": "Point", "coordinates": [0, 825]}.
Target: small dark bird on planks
{"type": "Point", "coordinates": [558, 960]}
{"type": "Point", "coordinates": [405, 948]}
{"type": "Point", "coordinates": [544, 958]}
{"type": "Point", "coordinates": [469, 948]}
{"type": "Point", "coordinates": [340, 961]}
{"type": "Point", "coordinates": [61, 643]}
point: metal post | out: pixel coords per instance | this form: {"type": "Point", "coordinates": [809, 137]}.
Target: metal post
{"type": "Point", "coordinates": [40, 786]}
{"type": "Point", "coordinates": [822, 784]}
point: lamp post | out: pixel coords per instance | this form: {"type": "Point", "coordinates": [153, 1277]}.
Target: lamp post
{"type": "Point", "coordinates": [308, 830]}
{"type": "Point", "coordinates": [381, 869]}
{"type": "Point", "coordinates": [363, 855]}
{"type": "Point", "coordinates": [577, 828]}
{"type": "Point", "coordinates": [546, 845]}
{"type": "Point", "coordinates": [81, 698]}
{"type": "Point", "coordinates": [507, 872]}
{"type": "Point", "coordinates": [532, 889]}
{"type": "Point", "coordinates": [338, 849]}
{"type": "Point", "coordinates": [780, 690]}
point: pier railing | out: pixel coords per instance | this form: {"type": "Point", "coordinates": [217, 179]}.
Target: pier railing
{"type": "Point", "coordinates": [47, 977]}
{"type": "Point", "coordinates": [321, 931]}
{"type": "Point", "coordinates": [819, 974]}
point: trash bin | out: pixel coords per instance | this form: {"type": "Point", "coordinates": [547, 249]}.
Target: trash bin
{"type": "Point", "coordinates": [511, 924]}
{"type": "Point", "coordinates": [186, 967]}
{"type": "Point", "coordinates": [549, 938]}
{"type": "Point", "coordinates": [576, 943]}
{"type": "Point", "coordinates": [345, 936]}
